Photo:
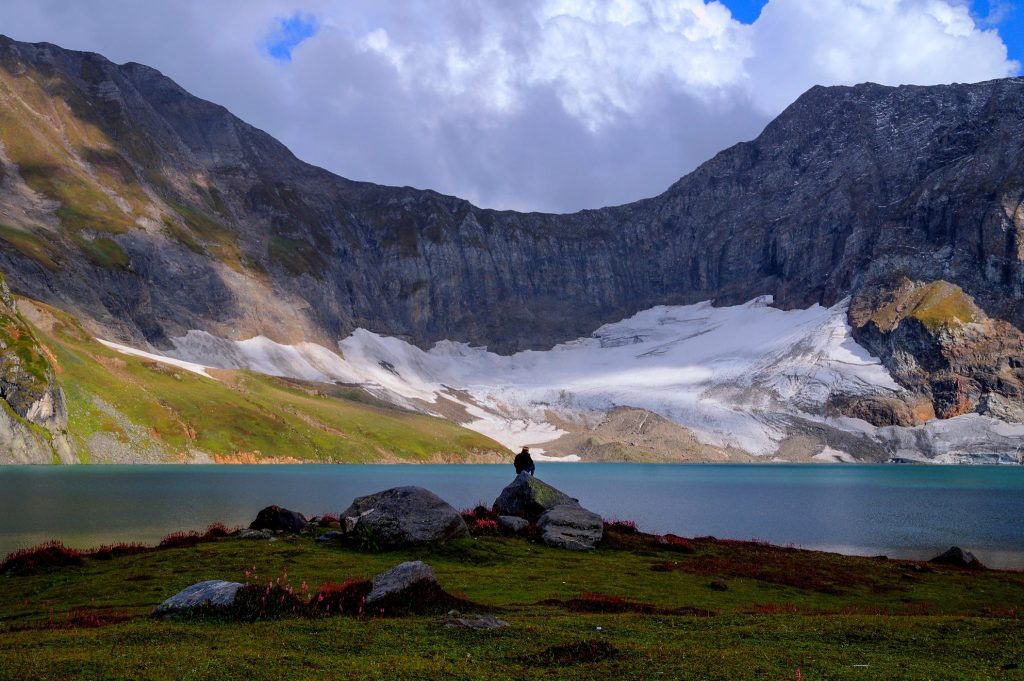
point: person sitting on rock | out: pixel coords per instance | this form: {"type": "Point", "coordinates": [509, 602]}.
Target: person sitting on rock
{"type": "Point", "coordinates": [523, 462]}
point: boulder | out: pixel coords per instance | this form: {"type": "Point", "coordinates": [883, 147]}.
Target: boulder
{"type": "Point", "coordinates": [409, 588]}
{"type": "Point", "coordinates": [277, 519]}
{"type": "Point", "coordinates": [404, 516]}
{"type": "Point", "coordinates": [572, 527]}
{"type": "Point", "coordinates": [215, 592]}
{"type": "Point", "coordinates": [512, 524]}
{"type": "Point", "coordinates": [529, 497]}
{"type": "Point", "coordinates": [958, 557]}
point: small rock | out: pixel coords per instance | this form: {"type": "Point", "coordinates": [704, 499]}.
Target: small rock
{"type": "Point", "coordinates": [571, 527]}
{"type": "Point", "coordinates": [512, 524]}
{"type": "Point", "coordinates": [478, 623]}
{"type": "Point", "coordinates": [958, 557]}
{"type": "Point", "coordinates": [330, 536]}
{"type": "Point", "coordinates": [718, 585]}
{"type": "Point", "coordinates": [405, 516]}
{"type": "Point", "coordinates": [253, 534]}
{"type": "Point", "coordinates": [408, 588]}
{"type": "Point", "coordinates": [279, 519]}
{"type": "Point", "coordinates": [214, 592]}
{"type": "Point", "coordinates": [529, 497]}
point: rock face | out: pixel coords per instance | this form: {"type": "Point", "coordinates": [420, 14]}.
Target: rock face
{"type": "Point", "coordinates": [214, 592]}
{"type": "Point", "coordinates": [529, 497]}
{"type": "Point", "coordinates": [196, 220]}
{"type": "Point", "coordinates": [571, 527]}
{"type": "Point", "coordinates": [29, 394]}
{"type": "Point", "coordinates": [937, 342]}
{"type": "Point", "coordinates": [405, 516]}
{"type": "Point", "coordinates": [277, 519]}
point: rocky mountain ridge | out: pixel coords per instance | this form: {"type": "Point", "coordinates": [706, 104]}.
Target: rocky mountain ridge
{"type": "Point", "coordinates": [149, 213]}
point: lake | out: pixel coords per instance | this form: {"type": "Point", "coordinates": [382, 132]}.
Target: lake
{"type": "Point", "coordinates": [899, 511]}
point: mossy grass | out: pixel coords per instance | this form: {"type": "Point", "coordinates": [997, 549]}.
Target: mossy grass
{"type": "Point", "coordinates": [935, 304]}
{"type": "Point", "coordinates": [940, 623]}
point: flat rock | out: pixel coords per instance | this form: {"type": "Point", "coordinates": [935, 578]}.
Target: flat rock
{"type": "Point", "coordinates": [277, 519]}
{"type": "Point", "coordinates": [405, 516]}
{"type": "Point", "coordinates": [477, 622]}
{"type": "Point", "coordinates": [958, 557]}
{"type": "Point", "coordinates": [248, 533]}
{"type": "Point", "coordinates": [214, 592]}
{"type": "Point", "coordinates": [572, 527]}
{"type": "Point", "coordinates": [512, 524]}
{"type": "Point", "coordinates": [330, 536]}
{"type": "Point", "coordinates": [407, 584]}
{"type": "Point", "coordinates": [529, 497]}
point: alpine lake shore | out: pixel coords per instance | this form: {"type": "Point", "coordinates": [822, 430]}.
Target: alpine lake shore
{"type": "Point", "coordinates": [497, 595]}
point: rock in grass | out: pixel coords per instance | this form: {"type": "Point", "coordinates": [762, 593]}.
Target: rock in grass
{"type": "Point", "coordinates": [477, 622]}
{"type": "Point", "coordinates": [572, 527]}
{"type": "Point", "coordinates": [528, 497]}
{"type": "Point", "coordinates": [512, 524]}
{"type": "Point", "coordinates": [410, 588]}
{"type": "Point", "coordinates": [404, 516]}
{"type": "Point", "coordinates": [958, 557]}
{"type": "Point", "coordinates": [277, 519]}
{"type": "Point", "coordinates": [330, 536]}
{"type": "Point", "coordinates": [253, 534]}
{"type": "Point", "coordinates": [215, 592]}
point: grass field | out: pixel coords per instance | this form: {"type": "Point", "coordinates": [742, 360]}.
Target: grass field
{"type": "Point", "coordinates": [652, 614]}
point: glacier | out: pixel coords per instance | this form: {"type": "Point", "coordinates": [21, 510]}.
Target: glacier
{"type": "Point", "coordinates": [740, 377]}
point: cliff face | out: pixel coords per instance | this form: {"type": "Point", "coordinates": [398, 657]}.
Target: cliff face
{"type": "Point", "coordinates": [134, 204]}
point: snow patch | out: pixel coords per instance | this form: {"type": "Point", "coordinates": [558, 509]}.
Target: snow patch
{"type": "Point", "coordinates": [181, 364]}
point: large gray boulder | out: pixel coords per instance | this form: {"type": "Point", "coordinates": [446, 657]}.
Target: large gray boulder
{"type": "Point", "coordinates": [529, 497]}
{"type": "Point", "coordinates": [404, 516]}
{"type": "Point", "coordinates": [215, 592]}
{"type": "Point", "coordinates": [571, 527]}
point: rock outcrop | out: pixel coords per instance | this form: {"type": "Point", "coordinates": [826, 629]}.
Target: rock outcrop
{"type": "Point", "coordinates": [958, 557]}
{"type": "Point", "coordinates": [935, 340]}
{"type": "Point", "coordinates": [404, 516]}
{"type": "Point", "coordinates": [571, 527]}
{"type": "Point", "coordinates": [33, 412]}
{"type": "Point", "coordinates": [529, 497]}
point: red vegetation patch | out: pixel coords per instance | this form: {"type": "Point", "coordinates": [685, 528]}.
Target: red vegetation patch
{"type": "Point", "coordinates": [79, 618]}
{"type": "Point", "coordinates": [33, 560]}
{"type": "Point", "coordinates": [625, 526]}
{"type": "Point", "coordinates": [808, 570]}
{"type": "Point", "coordinates": [603, 603]}
{"type": "Point", "coordinates": [347, 598]}
{"type": "Point", "coordinates": [484, 526]}
{"type": "Point", "coordinates": [185, 539]}
{"type": "Point", "coordinates": [623, 535]}
{"type": "Point", "coordinates": [479, 512]}
{"type": "Point", "coordinates": [108, 551]}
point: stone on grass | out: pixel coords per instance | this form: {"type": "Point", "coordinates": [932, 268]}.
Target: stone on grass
{"type": "Point", "coordinates": [476, 622]}
{"type": "Point", "coordinates": [404, 516]}
{"type": "Point", "coordinates": [253, 534]}
{"type": "Point", "coordinates": [572, 527]}
{"type": "Point", "coordinates": [512, 524]}
{"type": "Point", "coordinates": [277, 519]}
{"type": "Point", "coordinates": [528, 497]}
{"type": "Point", "coordinates": [215, 592]}
{"type": "Point", "coordinates": [330, 536]}
{"type": "Point", "coordinates": [407, 589]}
{"type": "Point", "coordinates": [958, 557]}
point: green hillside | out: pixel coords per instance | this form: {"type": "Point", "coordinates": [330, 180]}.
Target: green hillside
{"type": "Point", "coordinates": [131, 409]}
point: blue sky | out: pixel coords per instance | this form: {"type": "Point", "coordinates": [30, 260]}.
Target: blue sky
{"type": "Point", "coordinates": [288, 33]}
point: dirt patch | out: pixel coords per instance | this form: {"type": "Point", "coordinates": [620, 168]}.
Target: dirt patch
{"type": "Point", "coordinates": [604, 604]}
{"type": "Point", "coordinates": [575, 653]}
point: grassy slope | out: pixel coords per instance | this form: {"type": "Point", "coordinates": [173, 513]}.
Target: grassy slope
{"type": "Point", "coordinates": [827, 628]}
{"type": "Point", "coordinates": [241, 417]}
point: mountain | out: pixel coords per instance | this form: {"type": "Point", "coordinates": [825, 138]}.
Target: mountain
{"type": "Point", "coordinates": [148, 214]}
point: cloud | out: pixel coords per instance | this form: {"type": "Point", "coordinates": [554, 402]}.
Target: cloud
{"type": "Point", "coordinates": [536, 104]}
{"type": "Point", "coordinates": [289, 33]}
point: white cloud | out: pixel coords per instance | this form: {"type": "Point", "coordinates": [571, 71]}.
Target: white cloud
{"type": "Point", "coordinates": [538, 104]}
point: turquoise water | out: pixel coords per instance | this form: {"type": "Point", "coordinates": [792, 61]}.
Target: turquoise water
{"type": "Point", "coordinates": [900, 511]}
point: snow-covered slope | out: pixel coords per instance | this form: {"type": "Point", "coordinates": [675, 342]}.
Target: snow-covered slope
{"type": "Point", "coordinates": [742, 377]}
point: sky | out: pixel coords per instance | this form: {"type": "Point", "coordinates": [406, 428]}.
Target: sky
{"type": "Point", "coordinates": [552, 105]}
